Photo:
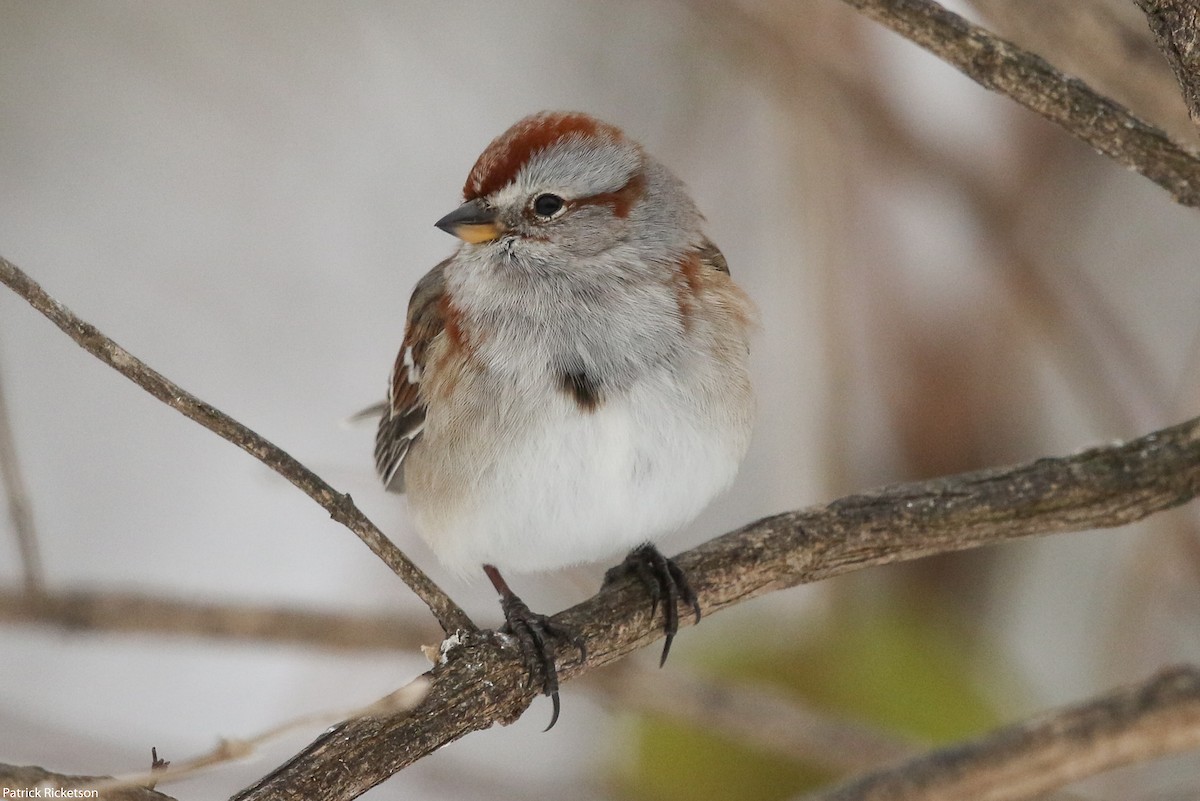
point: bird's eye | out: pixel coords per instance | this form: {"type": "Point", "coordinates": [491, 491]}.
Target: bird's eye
{"type": "Point", "coordinates": [547, 205]}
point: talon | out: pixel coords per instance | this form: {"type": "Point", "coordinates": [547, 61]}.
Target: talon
{"type": "Point", "coordinates": [685, 587]}
{"type": "Point", "coordinates": [664, 580]}
{"type": "Point", "coordinates": [536, 634]}
{"type": "Point", "coordinates": [556, 707]}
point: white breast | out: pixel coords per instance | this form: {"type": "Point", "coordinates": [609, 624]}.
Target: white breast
{"type": "Point", "coordinates": [568, 486]}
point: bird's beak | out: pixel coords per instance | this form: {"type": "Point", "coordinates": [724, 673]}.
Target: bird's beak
{"type": "Point", "coordinates": [473, 221]}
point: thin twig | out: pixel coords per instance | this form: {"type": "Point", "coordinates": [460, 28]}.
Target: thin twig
{"type": "Point", "coordinates": [228, 750]}
{"type": "Point", "coordinates": [1001, 66]}
{"type": "Point", "coordinates": [1176, 28]}
{"type": "Point", "coordinates": [140, 786]}
{"type": "Point", "coordinates": [340, 507]}
{"type": "Point", "coordinates": [20, 511]}
{"type": "Point", "coordinates": [1135, 724]}
{"type": "Point", "coordinates": [483, 679]}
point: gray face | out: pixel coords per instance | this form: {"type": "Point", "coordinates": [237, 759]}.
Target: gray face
{"type": "Point", "coordinates": [573, 198]}
{"type": "Point", "coordinates": [582, 197]}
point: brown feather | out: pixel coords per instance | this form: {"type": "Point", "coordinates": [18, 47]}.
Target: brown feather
{"type": "Point", "coordinates": [688, 277]}
{"type": "Point", "coordinates": [507, 153]}
{"type": "Point", "coordinates": [402, 421]}
{"type": "Point", "coordinates": [712, 257]}
{"type": "Point", "coordinates": [621, 200]}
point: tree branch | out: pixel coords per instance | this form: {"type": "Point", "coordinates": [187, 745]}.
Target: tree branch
{"type": "Point", "coordinates": [482, 680]}
{"type": "Point", "coordinates": [1098, 42]}
{"type": "Point", "coordinates": [1023, 761]}
{"type": "Point", "coordinates": [1176, 28]}
{"type": "Point", "coordinates": [340, 507]}
{"type": "Point", "coordinates": [1003, 67]}
{"type": "Point", "coordinates": [767, 719]}
{"type": "Point", "coordinates": [84, 610]}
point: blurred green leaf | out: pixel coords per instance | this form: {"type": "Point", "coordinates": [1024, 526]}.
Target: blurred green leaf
{"type": "Point", "coordinates": [902, 669]}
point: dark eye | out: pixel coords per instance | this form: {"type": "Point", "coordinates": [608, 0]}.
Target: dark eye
{"type": "Point", "coordinates": [547, 205]}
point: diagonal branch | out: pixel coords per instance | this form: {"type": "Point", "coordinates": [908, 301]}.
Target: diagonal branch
{"type": "Point", "coordinates": [1134, 724]}
{"type": "Point", "coordinates": [482, 680]}
{"type": "Point", "coordinates": [1001, 66]}
{"type": "Point", "coordinates": [1102, 43]}
{"type": "Point", "coordinates": [340, 507]}
{"type": "Point", "coordinates": [1176, 28]}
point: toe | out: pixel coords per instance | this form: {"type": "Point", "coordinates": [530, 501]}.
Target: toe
{"type": "Point", "coordinates": [664, 581]}
{"type": "Point", "coordinates": [538, 637]}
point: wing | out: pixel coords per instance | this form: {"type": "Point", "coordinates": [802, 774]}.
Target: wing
{"type": "Point", "coordinates": [712, 257]}
{"type": "Point", "coordinates": [404, 413]}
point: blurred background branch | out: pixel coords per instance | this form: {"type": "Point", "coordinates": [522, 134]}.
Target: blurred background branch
{"type": "Point", "coordinates": [1158, 717]}
{"type": "Point", "coordinates": [133, 613]}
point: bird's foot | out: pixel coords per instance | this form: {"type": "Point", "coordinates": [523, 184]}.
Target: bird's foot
{"type": "Point", "coordinates": [537, 635]}
{"type": "Point", "coordinates": [665, 582]}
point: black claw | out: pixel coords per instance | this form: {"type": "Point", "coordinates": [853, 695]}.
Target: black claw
{"type": "Point", "coordinates": [536, 635]}
{"type": "Point", "coordinates": [685, 587]}
{"type": "Point", "coordinates": [557, 707]}
{"type": "Point", "coordinates": [664, 581]}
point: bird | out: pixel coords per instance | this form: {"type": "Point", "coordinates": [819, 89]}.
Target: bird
{"type": "Point", "coordinates": [573, 381]}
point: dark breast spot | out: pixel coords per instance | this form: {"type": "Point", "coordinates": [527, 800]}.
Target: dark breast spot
{"type": "Point", "coordinates": [581, 386]}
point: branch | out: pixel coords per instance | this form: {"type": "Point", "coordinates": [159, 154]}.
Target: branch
{"type": "Point", "coordinates": [1176, 28]}
{"type": "Point", "coordinates": [130, 612]}
{"type": "Point", "coordinates": [1098, 42]}
{"type": "Point", "coordinates": [1134, 724]}
{"type": "Point", "coordinates": [340, 507]}
{"type": "Point", "coordinates": [1003, 67]}
{"type": "Point", "coordinates": [228, 750]}
{"type": "Point", "coordinates": [482, 680]}
{"type": "Point", "coordinates": [762, 717]}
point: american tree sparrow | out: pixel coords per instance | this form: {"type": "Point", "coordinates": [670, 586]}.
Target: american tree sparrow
{"type": "Point", "coordinates": [573, 380]}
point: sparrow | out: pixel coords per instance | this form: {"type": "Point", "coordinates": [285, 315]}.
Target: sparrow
{"type": "Point", "coordinates": [573, 382]}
